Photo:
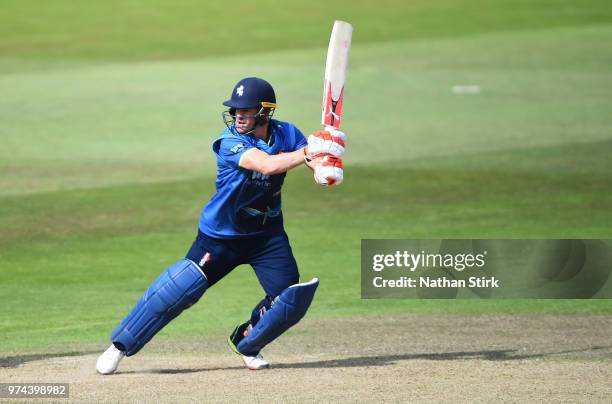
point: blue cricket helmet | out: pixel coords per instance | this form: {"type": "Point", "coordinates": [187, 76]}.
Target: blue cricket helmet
{"type": "Point", "coordinates": [252, 92]}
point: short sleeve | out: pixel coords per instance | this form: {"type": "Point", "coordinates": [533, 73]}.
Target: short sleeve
{"type": "Point", "coordinates": [299, 140]}
{"type": "Point", "coordinates": [231, 149]}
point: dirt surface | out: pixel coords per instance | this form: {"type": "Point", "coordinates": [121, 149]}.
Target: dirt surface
{"type": "Point", "coordinates": [379, 359]}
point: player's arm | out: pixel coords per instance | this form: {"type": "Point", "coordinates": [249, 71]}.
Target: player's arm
{"type": "Point", "coordinates": [267, 164]}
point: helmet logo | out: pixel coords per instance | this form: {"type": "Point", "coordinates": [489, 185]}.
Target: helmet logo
{"type": "Point", "coordinates": [240, 91]}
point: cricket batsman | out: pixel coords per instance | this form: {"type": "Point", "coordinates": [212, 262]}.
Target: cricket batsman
{"type": "Point", "coordinates": [241, 224]}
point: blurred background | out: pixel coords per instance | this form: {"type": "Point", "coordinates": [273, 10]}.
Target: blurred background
{"type": "Point", "coordinates": [465, 118]}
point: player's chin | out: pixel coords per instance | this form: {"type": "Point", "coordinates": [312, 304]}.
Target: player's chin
{"type": "Point", "coordinates": [242, 128]}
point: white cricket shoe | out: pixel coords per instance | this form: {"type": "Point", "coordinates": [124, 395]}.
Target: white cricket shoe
{"type": "Point", "coordinates": [255, 362]}
{"type": "Point", "coordinates": [250, 362]}
{"type": "Point", "coordinates": [109, 360]}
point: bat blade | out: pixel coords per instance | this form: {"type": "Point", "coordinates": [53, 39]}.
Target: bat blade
{"type": "Point", "coordinates": [335, 73]}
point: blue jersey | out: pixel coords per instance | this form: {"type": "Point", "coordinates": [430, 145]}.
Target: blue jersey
{"type": "Point", "coordinates": [247, 203]}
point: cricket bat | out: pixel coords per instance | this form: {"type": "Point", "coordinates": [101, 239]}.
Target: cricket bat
{"type": "Point", "coordinates": [335, 73]}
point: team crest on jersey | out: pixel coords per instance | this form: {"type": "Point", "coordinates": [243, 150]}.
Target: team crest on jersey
{"type": "Point", "coordinates": [237, 148]}
{"type": "Point", "coordinates": [240, 91]}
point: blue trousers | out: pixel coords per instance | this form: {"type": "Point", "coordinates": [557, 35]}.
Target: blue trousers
{"type": "Point", "coordinates": [182, 284]}
{"type": "Point", "coordinates": [269, 255]}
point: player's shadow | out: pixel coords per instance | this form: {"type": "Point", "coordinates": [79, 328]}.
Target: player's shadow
{"type": "Point", "coordinates": [386, 360]}
{"type": "Point", "coordinates": [357, 361]}
{"type": "Point", "coordinates": [14, 361]}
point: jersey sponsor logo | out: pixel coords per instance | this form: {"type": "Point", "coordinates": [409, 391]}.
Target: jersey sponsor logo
{"type": "Point", "coordinates": [259, 176]}
{"type": "Point", "coordinates": [258, 180]}
{"type": "Point", "coordinates": [237, 148]}
{"type": "Point", "coordinates": [240, 91]}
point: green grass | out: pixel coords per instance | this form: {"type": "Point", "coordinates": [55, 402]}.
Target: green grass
{"type": "Point", "coordinates": [96, 250]}
{"type": "Point", "coordinates": [105, 159]}
{"type": "Point", "coordinates": [124, 119]}
{"type": "Point", "coordinates": [160, 29]}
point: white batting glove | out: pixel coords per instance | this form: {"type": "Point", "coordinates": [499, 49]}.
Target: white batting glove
{"type": "Point", "coordinates": [329, 171]}
{"type": "Point", "coordinates": [328, 141]}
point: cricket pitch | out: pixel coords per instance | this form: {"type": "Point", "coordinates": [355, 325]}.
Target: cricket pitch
{"type": "Point", "coordinates": [396, 358]}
